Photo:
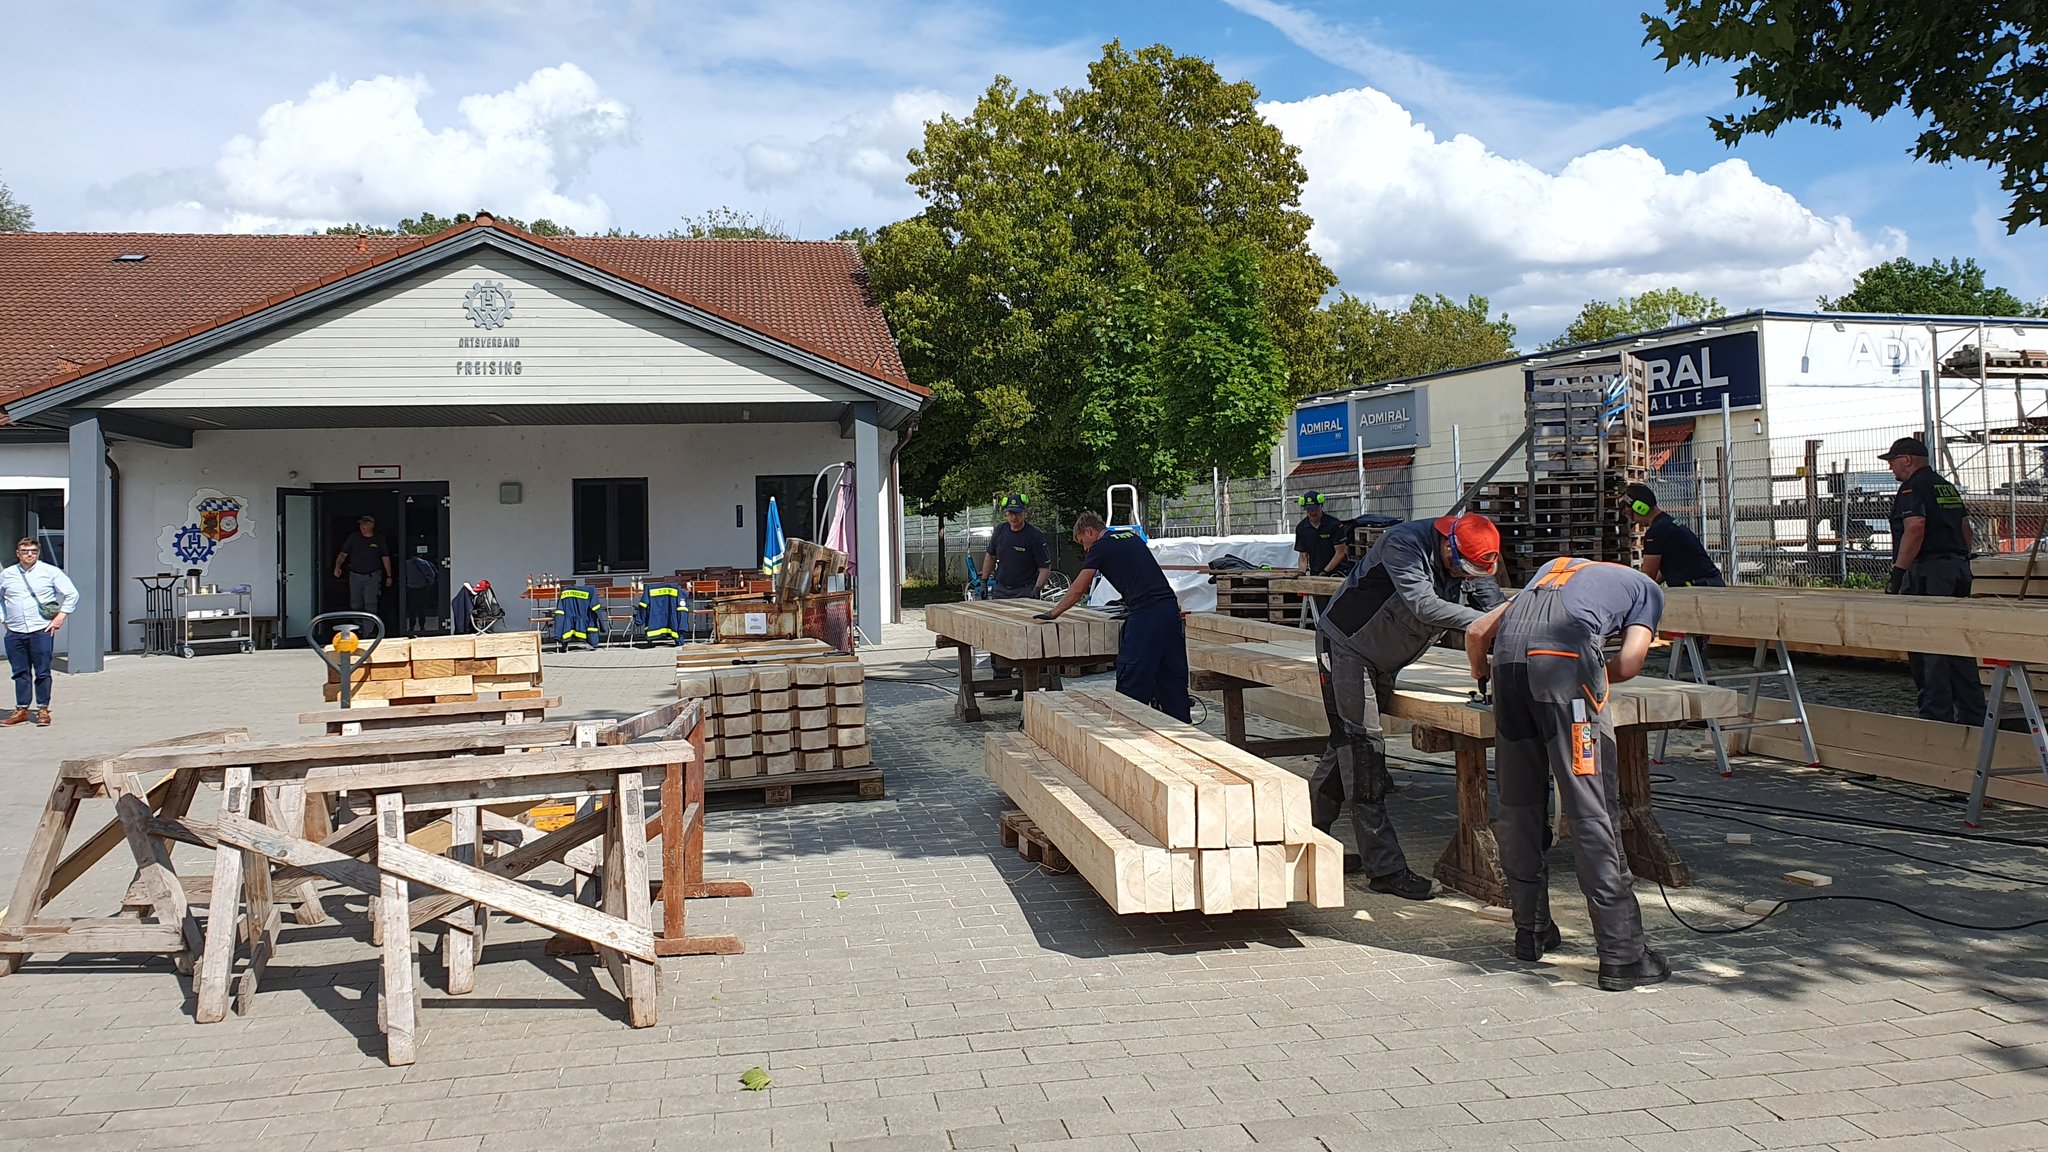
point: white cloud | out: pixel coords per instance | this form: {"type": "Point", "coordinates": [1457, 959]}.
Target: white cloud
{"type": "Point", "coordinates": [868, 147]}
{"type": "Point", "coordinates": [1543, 130]}
{"type": "Point", "coordinates": [1399, 211]}
{"type": "Point", "coordinates": [365, 151]}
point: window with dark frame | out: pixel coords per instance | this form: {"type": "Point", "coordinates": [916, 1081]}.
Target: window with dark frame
{"type": "Point", "coordinates": [610, 525]}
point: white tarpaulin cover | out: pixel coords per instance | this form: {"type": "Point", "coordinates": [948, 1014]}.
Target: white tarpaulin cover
{"type": "Point", "coordinates": [1195, 591]}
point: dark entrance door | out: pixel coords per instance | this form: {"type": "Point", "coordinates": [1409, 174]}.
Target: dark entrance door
{"type": "Point", "coordinates": [792, 502]}
{"type": "Point", "coordinates": [412, 523]}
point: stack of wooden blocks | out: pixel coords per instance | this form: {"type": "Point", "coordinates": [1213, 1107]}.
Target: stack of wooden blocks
{"type": "Point", "coordinates": [1010, 628]}
{"type": "Point", "coordinates": [445, 670]}
{"type": "Point", "coordinates": [777, 719]}
{"type": "Point", "coordinates": [1161, 816]}
{"type": "Point", "coordinates": [1249, 594]}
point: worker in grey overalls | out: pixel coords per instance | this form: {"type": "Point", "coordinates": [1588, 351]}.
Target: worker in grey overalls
{"type": "Point", "coordinates": [1551, 722]}
{"type": "Point", "coordinates": [1406, 593]}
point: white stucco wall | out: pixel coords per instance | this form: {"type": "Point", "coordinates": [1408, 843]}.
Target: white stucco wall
{"type": "Point", "coordinates": [696, 474]}
{"type": "Point", "coordinates": [35, 466]}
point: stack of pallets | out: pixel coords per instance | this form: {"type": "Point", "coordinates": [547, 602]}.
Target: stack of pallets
{"type": "Point", "coordinates": [1248, 594]}
{"type": "Point", "coordinates": [445, 670]}
{"type": "Point", "coordinates": [775, 720]}
{"type": "Point", "coordinates": [1589, 437]}
{"type": "Point", "coordinates": [1161, 816]}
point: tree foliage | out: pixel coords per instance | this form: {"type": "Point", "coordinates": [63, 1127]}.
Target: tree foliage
{"type": "Point", "coordinates": [1657, 308]}
{"type": "Point", "coordinates": [1955, 288]}
{"type": "Point", "coordinates": [728, 223]}
{"type": "Point", "coordinates": [1090, 268]}
{"type": "Point", "coordinates": [1359, 343]}
{"type": "Point", "coordinates": [429, 224]}
{"type": "Point", "coordinates": [1974, 70]}
{"type": "Point", "coordinates": [14, 215]}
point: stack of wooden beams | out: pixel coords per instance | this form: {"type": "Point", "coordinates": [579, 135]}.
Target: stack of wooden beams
{"type": "Point", "coordinates": [1006, 628]}
{"type": "Point", "coordinates": [2009, 577]}
{"type": "Point", "coordinates": [775, 719]}
{"type": "Point", "coordinates": [445, 670]}
{"type": "Point", "coordinates": [1986, 629]}
{"type": "Point", "coordinates": [1161, 816]}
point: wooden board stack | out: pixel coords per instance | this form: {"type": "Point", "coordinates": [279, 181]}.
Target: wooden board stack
{"type": "Point", "coordinates": [2009, 577]}
{"type": "Point", "coordinates": [1256, 594]}
{"type": "Point", "coordinates": [778, 719]}
{"type": "Point", "coordinates": [1006, 628]}
{"type": "Point", "coordinates": [1161, 816]}
{"type": "Point", "coordinates": [445, 670]}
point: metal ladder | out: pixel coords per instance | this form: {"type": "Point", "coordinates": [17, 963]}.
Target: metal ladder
{"type": "Point", "coordinates": [1685, 649]}
{"type": "Point", "coordinates": [2005, 672]}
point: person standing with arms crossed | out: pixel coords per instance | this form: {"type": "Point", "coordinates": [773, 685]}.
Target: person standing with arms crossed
{"type": "Point", "coordinates": [1152, 652]}
{"type": "Point", "coordinates": [36, 598]}
{"type": "Point", "coordinates": [1395, 604]}
{"type": "Point", "coordinates": [1931, 557]}
{"type": "Point", "coordinates": [367, 562]}
{"type": "Point", "coordinates": [1551, 722]}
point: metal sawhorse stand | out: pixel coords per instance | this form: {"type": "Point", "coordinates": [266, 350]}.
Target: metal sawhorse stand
{"type": "Point", "coordinates": [2005, 672]}
{"type": "Point", "coordinates": [1685, 649]}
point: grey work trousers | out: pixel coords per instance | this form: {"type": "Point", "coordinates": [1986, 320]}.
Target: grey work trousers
{"type": "Point", "coordinates": [365, 591]}
{"type": "Point", "coordinates": [1543, 703]}
{"type": "Point", "coordinates": [1354, 762]}
{"type": "Point", "coordinates": [1948, 685]}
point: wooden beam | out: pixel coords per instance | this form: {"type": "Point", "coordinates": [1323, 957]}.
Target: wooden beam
{"type": "Point", "coordinates": [1987, 630]}
{"type": "Point", "coordinates": [1122, 860]}
{"type": "Point", "coordinates": [1006, 628]}
{"type": "Point", "coordinates": [1903, 748]}
{"type": "Point", "coordinates": [1157, 795]}
{"type": "Point", "coordinates": [395, 857]}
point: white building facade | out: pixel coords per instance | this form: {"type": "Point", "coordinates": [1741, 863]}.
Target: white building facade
{"type": "Point", "coordinates": [504, 406]}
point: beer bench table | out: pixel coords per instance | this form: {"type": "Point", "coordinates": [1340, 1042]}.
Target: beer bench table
{"type": "Point", "coordinates": [1229, 655]}
{"type": "Point", "coordinates": [1038, 649]}
{"type": "Point", "coordinates": [354, 721]}
{"type": "Point", "coordinates": [265, 856]}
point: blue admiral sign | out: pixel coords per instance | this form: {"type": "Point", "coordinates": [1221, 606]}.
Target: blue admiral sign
{"type": "Point", "coordinates": [1322, 430]}
{"type": "Point", "coordinates": [1690, 378]}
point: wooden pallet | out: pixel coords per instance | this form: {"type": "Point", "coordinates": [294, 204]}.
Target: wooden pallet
{"type": "Point", "coordinates": [444, 670]}
{"type": "Point", "coordinates": [779, 790]}
{"type": "Point", "coordinates": [1018, 830]}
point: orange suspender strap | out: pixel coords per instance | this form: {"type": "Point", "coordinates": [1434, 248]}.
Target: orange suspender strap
{"type": "Point", "coordinates": [1562, 574]}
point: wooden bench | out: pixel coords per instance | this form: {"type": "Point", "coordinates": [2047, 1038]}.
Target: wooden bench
{"type": "Point", "coordinates": [1434, 695]}
{"type": "Point", "coordinates": [355, 721]}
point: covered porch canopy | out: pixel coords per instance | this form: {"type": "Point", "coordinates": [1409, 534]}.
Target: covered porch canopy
{"type": "Point", "coordinates": [574, 337]}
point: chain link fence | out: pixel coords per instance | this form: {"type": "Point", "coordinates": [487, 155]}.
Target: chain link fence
{"type": "Point", "coordinates": [1803, 510]}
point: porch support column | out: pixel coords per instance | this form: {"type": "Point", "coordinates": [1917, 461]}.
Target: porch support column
{"type": "Point", "coordinates": [88, 514]}
{"type": "Point", "coordinates": [871, 547]}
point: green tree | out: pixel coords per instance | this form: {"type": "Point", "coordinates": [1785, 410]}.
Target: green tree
{"type": "Point", "coordinates": [1362, 343]}
{"type": "Point", "coordinates": [1220, 371]}
{"type": "Point", "coordinates": [1931, 289]}
{"type": "Point", "coordinates": [727, 223]}
{"type": "Point", "coordinates": [1973, 71]}
{"type": "Point", "coordinates": [14, 215]}
{"type": "Point", "coordinates": [1041, 292]}
{"type": "Point", "coordinates": [428, 224]}
{"type": "Point", "coordinates": [1657, 308]}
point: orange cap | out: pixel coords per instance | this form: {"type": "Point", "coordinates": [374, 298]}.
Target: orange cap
{"type": "Point", "coordinates": [1474, 538]}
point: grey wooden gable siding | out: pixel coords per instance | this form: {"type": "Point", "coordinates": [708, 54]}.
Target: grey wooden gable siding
{"type": "Point", "coordinates": [400, 346]}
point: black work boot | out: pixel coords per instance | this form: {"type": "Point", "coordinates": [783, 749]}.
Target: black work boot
{"type": "Point", "coordinates": [1649, 968]}
{"type": "Point", "coordinates": [1532, 943]}
{"type": "Point", "coordinates": [1405, 884]}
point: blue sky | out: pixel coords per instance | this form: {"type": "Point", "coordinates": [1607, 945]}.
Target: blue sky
{"type": "Point", "coordinates": [1535, 153]}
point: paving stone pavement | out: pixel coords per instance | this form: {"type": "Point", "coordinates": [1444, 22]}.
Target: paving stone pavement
{"type": "Point", "coordinates": [908, 984]}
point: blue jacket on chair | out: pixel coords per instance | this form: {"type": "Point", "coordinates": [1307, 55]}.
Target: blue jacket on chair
{"type": "Point", "coordinates": [577, 618]}
{"type": "Point", "coordinates": [661, 613]}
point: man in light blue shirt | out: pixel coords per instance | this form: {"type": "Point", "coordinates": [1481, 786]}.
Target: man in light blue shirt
{"type": "Point", "coordinates": [37, 598]}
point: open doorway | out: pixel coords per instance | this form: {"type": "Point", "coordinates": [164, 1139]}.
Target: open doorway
{"type": "Point", "coordinates": [409, 525]}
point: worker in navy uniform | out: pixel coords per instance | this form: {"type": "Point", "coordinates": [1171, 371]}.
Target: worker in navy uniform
{"type": "Point", "coordinates": [368, 564]}
{"type": "Point", "coordinates": [1019, 557]}
{"type": "Point", "coordinates": [1404, 595]}
{"type": "Point", "coordinates": [1672, 553]}
{"type": "Point", "coordinates": [1550, 682]}
{"type": "Point", "coordinates": [1931, 557]}
{"type": "Point", "coordinates": [1152, 653]}
{"type": "Point", "coordinates": [1320, 542]}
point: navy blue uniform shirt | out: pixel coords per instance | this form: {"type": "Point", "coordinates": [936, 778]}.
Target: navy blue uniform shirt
{"type": "Point", "coordinates": [1319, 541]}
{"type": "Point", "coordinates": [1685, 559]}
{"type": "Point", "coordinates": [1019, 555]}
{"type": "Point", "coordinates": [1121, 557]}
{"type": "Point", "coordinates": [1925, 493]}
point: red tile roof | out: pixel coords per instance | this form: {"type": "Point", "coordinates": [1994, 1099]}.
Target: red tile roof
{"type": "Point", "coordinates": [69, 307]}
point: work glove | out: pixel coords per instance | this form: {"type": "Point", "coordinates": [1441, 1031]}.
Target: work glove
{"type": "Point", "coordinates": [1896, 582]}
